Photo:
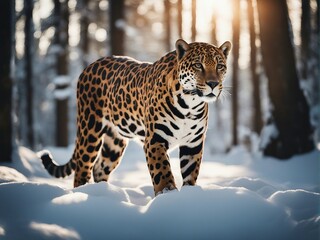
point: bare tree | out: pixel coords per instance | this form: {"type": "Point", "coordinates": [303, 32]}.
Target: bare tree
{"type": "Point", "coordinates": [6, 39]}
{"type": "Point", "coordinates": [214, 41]}
{"type": "Point", "coordinates": [235, 69]}
{"type": "Point", "coordinates": [318, 17]}
{"type": "Point", "coordinates": [84, 36]}
{"type": "Point", "coordinates": [179, 15]}
{"type": "Point", "coordinates": [305, 37]}
{"type": "Point", "coordinates": [61, 13]}
{"type": "Point", "coordinates": [193, 20]}
{"type": "Point", "coordinates": [292, 133]}
{"type": "Point", "coordinates": [257, 116]}
{"type": "Point", "coordinates": [116, 12]}
{"type": "Point", "coordinates": [317, 82]}
{"type": "Point", "coordinates": [167, 23]}
{"type": "Point", "coordinates": [28, 30]}
{"type": "Point", "coordinates": [214, 29]}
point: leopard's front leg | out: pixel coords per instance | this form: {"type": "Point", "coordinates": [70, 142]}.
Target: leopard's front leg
{"type": "Point", "coordinates": [190, 159]}
{"type": "Point", "coordinates": [156, 148]}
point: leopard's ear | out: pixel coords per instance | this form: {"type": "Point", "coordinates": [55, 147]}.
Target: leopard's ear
{"type": "Point", "coordinates": [225, 48]}
{"type": "Point", "coordinates": [181, 47]}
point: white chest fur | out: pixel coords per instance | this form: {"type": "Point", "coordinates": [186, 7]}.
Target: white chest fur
{"type": "Point", "coordinates": [185, 130]}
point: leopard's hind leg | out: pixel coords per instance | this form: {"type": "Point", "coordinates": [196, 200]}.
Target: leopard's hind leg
{"type": "Point", "coordinates": [88, 148]}
{"type": "Point", "coordinates": [110, 156]}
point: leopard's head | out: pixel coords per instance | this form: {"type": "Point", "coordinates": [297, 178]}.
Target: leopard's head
{"type": "Point", "coordinates": [201, 68]}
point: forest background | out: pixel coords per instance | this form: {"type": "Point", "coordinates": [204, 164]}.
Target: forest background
{"type": "Point", "coordinates": [273, 71]}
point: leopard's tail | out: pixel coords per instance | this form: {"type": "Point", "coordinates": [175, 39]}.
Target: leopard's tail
{"type": "Point", "coordinates": [55, 170]}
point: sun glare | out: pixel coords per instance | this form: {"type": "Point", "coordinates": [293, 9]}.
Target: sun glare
{"type": "Point", "coordinates": [222, 11]}
{"type": "Point", "coordinates": [206, 10]}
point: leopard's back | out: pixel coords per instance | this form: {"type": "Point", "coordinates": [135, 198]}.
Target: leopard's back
{"type": "Point", "coordinates": [112, 89]}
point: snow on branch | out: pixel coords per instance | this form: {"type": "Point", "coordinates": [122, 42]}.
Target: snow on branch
{"type": "Point", "coordinates": [62, 83]}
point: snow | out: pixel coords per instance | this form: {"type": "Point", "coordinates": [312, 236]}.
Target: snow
{"type": "Point", "coordinates": [62, 94]}
{"type": "Point", "coordinates": [269, 132]}
{"type": "Point", "coordinates": [62, 80]}
{"type": "Point", "coordinates": [240, 195]}
{"type": "Point", "coordinates": [62, 91]}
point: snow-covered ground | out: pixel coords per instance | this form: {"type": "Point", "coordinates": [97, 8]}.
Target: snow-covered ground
{"type": "Point", "coordinates": [240, 195]}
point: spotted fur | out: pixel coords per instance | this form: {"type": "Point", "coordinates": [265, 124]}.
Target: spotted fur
{"type": "Point", "coordinates": [163, 105]}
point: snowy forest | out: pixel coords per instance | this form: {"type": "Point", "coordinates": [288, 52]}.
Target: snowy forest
{"type": "Point", "coordinates": [260, 176]}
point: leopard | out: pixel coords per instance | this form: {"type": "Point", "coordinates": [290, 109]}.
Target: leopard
{"type": "Point", "coordinates": [162, 105]}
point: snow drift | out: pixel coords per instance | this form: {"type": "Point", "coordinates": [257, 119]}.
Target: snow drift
{"type": "Point", "coordinates": [252, 201]}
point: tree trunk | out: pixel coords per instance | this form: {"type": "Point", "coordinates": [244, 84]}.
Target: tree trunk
{"type": "Point", "coordinates": [194, 20]}
{"type": "Point", "coordinates": [305, 37]}
{"type": "Point", "coordinates": [235, 68]}
{"type": "Point", "coordinates": [6, 38]}
{"type": "Point", "coordinates": [84, 37]}
{"type": "Point", "coordinates": [290, 111]}
{"type": "Point", "coordinates": [214, 29]}
{"type": "Point", "coordinates": [116, 10]}
{"type": "Point", "coordinates": [167, 21]}
{"type": "Point", "coordinates": [28, 30]}
{"type": "Point", "coordinates": [256, 118]}
{"type": "Point", "coordinates": [179, 14]}
{"type": "Point", "coordinates": [61, 40]}
{"type": "Point", "coordinates": [214, 41]}
{"type": "Point", "coordinates": [318, 18]}
{"type": "Point", "coordinates": [314, 66]}
{"type": "Point", "coordinates": [62, 36]}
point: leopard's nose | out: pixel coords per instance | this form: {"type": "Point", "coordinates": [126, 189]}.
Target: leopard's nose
{"type": "Point", "coordinates": [212, 84]}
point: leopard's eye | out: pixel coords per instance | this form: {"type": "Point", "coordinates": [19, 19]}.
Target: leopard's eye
{"type": "Point", "coordinates": [220, 66]}
{"type": "Point", "coordinates": [197, 66]}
